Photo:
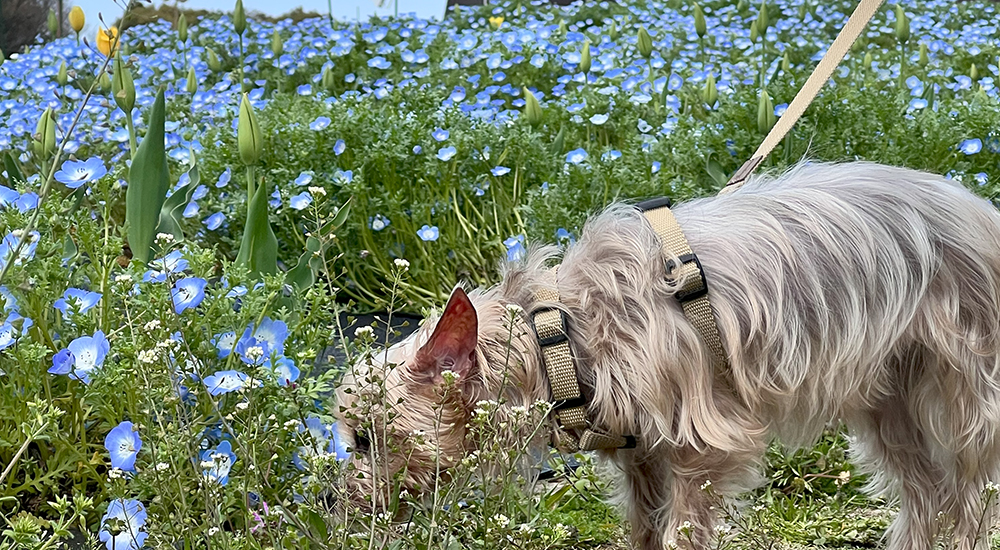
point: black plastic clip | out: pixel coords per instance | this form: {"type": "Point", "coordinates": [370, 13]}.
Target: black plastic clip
{"type": "Point", "coordinates": [555, 338]}
{"type": "Point", "coordinates": [653, 204]}
{"type": "Point", "coordinates": [687, 296]}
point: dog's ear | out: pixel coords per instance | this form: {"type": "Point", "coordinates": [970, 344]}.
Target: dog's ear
{"type": "Point", "coordinates": [452, 346]}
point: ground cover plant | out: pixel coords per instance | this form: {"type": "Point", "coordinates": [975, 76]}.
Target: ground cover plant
{"type": "Point", "coordinates": [187, 209]}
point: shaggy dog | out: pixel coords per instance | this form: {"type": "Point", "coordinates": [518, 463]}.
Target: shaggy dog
{"type": "Point", "coordinates": [851, 292]}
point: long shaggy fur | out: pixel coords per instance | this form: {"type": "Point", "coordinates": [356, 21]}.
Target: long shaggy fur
{"type": "Point", "coordinates": [854, 292]}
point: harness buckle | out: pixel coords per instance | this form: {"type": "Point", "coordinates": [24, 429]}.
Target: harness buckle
{"type": "Point", "coordinates": [695, 293]}
{"type": "Point", "coordinates": [653, 204]}
{"type": "Point", "coordinates": [554, 339]}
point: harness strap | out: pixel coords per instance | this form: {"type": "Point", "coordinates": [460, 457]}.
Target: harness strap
{"type": "Point", "coordinates": [569, 404]}
{"type": "Point", "coordinates": [683, 265]}
{"type": "Point", "coordinates": [841, 45]}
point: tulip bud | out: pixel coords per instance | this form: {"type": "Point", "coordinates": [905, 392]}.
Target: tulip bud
{"type": "Point", "coordinates": [532, 109]}
{"type": "Point", "coordinates": [585, 58]}
{"type": "Point", "coordinates": [786, 64]}
{"type": "Point", "coordinates": [277, 46]}
{"type": "Point", "coordinates": [104, 82]}
{"type": "Point", "coordinates": [192, 81]}
{"type": "Point", "coordinates": [122, 86]}
{"type": "Point", "coordinates": [248, 135]}
{"type": "Point", "coordinates": [213, 60]}
{"type": "Point", "coordinates": [327, 81]}
{"type": "Point", "coordinates": [614, 33]}
{"type": "Point", "coordinates": [710, 93]}
{"type": "Point", "coordinates": [762, 20]}
{"type": "Point", "coordinates": [765, 113]}
{"type": "Point", "coordinates": [77, 19]}
{"type": "Point", "coordinates": [902, 25]}
{"type": "Point", "coordinates": [754, 33]}
{"type": "Point", "coordinates": [645, 43]}
{"type": "Point", "coordinates": [44, 142]}
{"type": "Point", "coordinates": [973, 73]}
{"type": "Point", "coordinates": [239, 18]}
{"type": "Point", "coordinates": [2, 57]}
{"type": "Point", "coordinates": [61, 76]}
{"type": "Point", "coordinates": [182, 28]}
{"type": "Point", "coordinates": [700, 26]}
{"type": "Point", "coordinates": [53, 23]}
{"type": "Point", "coordinates": [105, 42]}
{"type": "Point", "coordinates": [803, 9]}
{"type": "Point", "coordinates": [741, 5]}
{"type": "Point", "coordinates": [867, 63]}
{"type": "Point", "coordinates": [562, 27]}
{"type": "Point", "coordinates": [924, 60]}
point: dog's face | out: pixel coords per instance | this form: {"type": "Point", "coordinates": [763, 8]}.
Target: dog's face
{"type": "Point", "coordinates": [404, 410]}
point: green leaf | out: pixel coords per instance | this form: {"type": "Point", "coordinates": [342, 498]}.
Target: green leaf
{"type": "Point", "coordinates": [14, 174]}
{"type": "Point", "coordinates": [259, 249]}
{"type": "Point", "coordinates": [173, 207]}
{"type": "Point", "coordinates": [148, 181]}
{"type": "Point", "coordinates": [716, 171]}
{"type": "Point", "coordinates": [337, 220]}
{"type": "Point", "coordinates": [303, 275]}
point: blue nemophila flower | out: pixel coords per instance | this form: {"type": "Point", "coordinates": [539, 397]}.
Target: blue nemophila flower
{"type": "Point", "coordinates": [284, 369]}
{"type": "Point", "coordinates": [322, 440]}
{"type": "Point", "coordinates": [191, 210]}
{"type": "Point", "coordinates": [428, 233]}
{"type": "Point", "coordinates": [26, 202]}
{"type": "Point", "coordinates": [126, 532]}
{"type": "Point", "coordinates": [440, 134]}
{"type": "Point", "coordinates": [656, 166]}
{"type": "Point", "coordinates": [10, 243]}
{"type": "Point", "coordinates": [300, 201]}
{"type": "Point", "coordinates": [320, 123]}
{"type": "Point", "coordinates": [62, 362]}
{"type": "Point", "coordinates": [225, 381]}
{"type": "Point", "coordinates": [225, 343]}
{"type": "Point", "coordinates": [171, 263]}
{"type": "Point", "coordinates": [417, 149]}
{"type": "Point", "coordinates": [217, 463]}
{"type": "Point", "coordinates": [305, 178]}
{"type": "Point", "coordinates": [515, 247]}
{"type": "Point", "coordinates": [339, 147]}
{"type": "Point", "coordinates": [563, 235]}
{"type": "Point", "coordinates": [971, 146]}
{"type": "Point", "coordinates": [78, 299]}
{"type": "Point", "coordinates": [917, 103]}
{"type": "Point", "coordinates": [8, 335]}
{"type": "Point", "coordinates": [273, 333]}
{"type": "Point", "coordinates": [500, 171]}
{"type": "Point", "coordinates": [224, 178]}
{"type": "Point", "coordinates": [81, 357]}
{"type": "Point", "coordinates": [188, 293]}
{"type": "Point", "coordinates": [613, 154]}
{"type": "Point", "coordinates": [576, 156]}
{"type": "Point", "coordinates": [446, 153]}
{"type": "Point", "coordinates": [75, 173]}
{"type": "Point", "coordinates": [598, 119]}
{"type": "Point", "coordinates": [214, 221]}
{"type": "Point", "coordinates": [123, 445]}
{"type": "Point", "coordinates": [379, 222]}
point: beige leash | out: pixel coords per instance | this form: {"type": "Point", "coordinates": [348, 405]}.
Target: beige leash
{"type": "Point", "coordinates": [841, 45]}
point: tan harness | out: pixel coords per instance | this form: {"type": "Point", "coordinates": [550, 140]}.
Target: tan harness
{"type": "Point", "coordinates": [681, 264]}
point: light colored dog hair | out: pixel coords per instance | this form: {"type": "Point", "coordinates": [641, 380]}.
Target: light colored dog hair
{"type": "Point", "coordinates": [849, 292]}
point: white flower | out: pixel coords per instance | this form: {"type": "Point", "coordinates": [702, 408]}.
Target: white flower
{"type": "Point", "coordinates": [514, 309]}
{"type": "Point", "coordinates": [164, 237]}
{"type": "Point", "coordinates": [148, 356]}
{"type": "Point", "coordinates": [124, 278]}
{"type": "Point", "coordinates": [115, 473]}
{"type": "Point", "coordinates": [402, 264]}
{"type": "Point", "coordinates": [151, 326]}
{"type": "Point", "coordinates": [449, 376]}
{"type": "Point", "coordinates": [254, 353]}
{"type": "Point", "coordinates": [705, 486]}
{"type": "Point", "coordinates": [213, 531]}
{"type": "Point", "coordinates": [317, 190]}
{"type": "Point", "coordinates": [242, 405]}
{"type": "Point", "coordinates": [162, 466]}
{"type": "Point", "coordinates": [364, 332]}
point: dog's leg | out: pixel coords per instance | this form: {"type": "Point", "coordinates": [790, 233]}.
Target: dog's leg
{"type": "Point", "coordinates": [891, 447]}
{"type": "Point", "coordinates": [645, 487]}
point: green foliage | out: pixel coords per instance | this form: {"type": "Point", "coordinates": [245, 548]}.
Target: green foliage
{"type": "Point", "coordinates": [149, 179]}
